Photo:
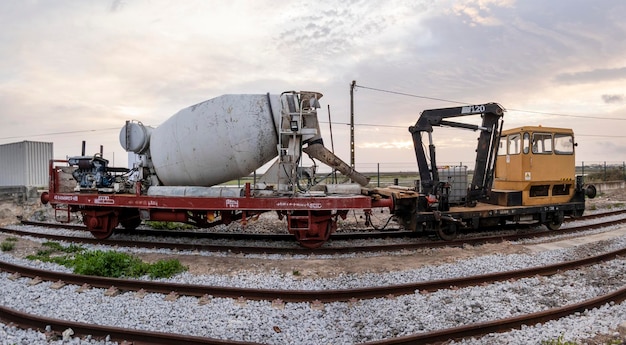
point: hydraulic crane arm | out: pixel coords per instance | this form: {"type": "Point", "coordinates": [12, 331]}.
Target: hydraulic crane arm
{"type": "Point", "coordinates": [486, 151]}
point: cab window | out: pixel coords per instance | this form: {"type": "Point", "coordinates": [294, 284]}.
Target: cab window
{"type": "Point", "coordinates": [542, 143]}
{"type": "Point", "coordinates": [514, 144]}
{"type": "Point", "coordinates": [563, 144]}
{"type": "Point", "coordinates": [502, 146]}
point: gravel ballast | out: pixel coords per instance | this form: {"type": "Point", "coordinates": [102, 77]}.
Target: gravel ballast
{"type": "Point", "coordinates": [344, 323]}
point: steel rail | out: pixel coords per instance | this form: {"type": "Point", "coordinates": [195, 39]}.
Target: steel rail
{"type": "Point", "coordinates": [476, 329]}
{"type": "Point", "coordinates": [503, 325]}
{"type": "Point", "coordinates": [140, 337]}
{"type": "Point", "coordinates": [137, 336]}
{"type": "Point", "coordinates": [390, 233]}
{"type": "Point", "coordinates": [295, 250]}
{"type": "Point", "coordinates": [367, 234]}
{"type": "Point", "coordinates": [331, 295]}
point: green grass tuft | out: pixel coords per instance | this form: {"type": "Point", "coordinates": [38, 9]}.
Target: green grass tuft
{"type": "Point", "coordinates": [558, 341]}
{"type": "Point", "coordinates": [169, 225]}
{"type": "Point", "coordinates": [165, 268]}
{"type": "Point", "coordinates": [105, 263]}
{"type": "Point", "coordinates": [7, 246]}
{"type": "Point", "coordinates": [109, 264]}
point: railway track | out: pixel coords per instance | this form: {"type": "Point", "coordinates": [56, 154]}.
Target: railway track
{"type": "Point", "coordinates": [243, 236]}
{"type": "Point", "coordinates": [326, 296]}
{"type": "Point", "coordinates": [138, 337]}
{"type": "Point", "coordinates": [346, 234]}
{"type": "Point", "coordinates": [329, 250]}
{"type": "Point", "coordinates": [301, 295]}
{"type": "Point", "coordinates": [477, 329]}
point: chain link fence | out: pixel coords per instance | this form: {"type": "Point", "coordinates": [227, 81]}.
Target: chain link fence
{"type": "Point", "coordinates": [406, 174]}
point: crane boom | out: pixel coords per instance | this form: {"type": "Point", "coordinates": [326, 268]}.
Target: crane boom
{"type": "Point", "coordinates": [486, 150]}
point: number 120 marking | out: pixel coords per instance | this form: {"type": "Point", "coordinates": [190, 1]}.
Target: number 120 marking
{"type": "Point", "coordinates": [473, 109]}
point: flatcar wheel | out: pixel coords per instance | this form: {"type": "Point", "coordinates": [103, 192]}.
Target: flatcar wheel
{"type": "Point", "coordinates": [447, 231]}
{"type": "Point", "coordinates": [554, 225]}
{"type": "Point", "coordinates": [100, 226]}
{"type": "Point", "coordinates": [557, 220]}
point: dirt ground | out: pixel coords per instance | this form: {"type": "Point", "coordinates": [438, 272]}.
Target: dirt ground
{"type": "Point", "coordinates": [311, 267]}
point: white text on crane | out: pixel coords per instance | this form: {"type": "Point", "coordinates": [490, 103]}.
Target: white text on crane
{"type": "Point", "coordinates": [473, 109]}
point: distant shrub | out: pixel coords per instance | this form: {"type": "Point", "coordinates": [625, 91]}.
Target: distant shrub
{"type": "Point", "coordinates": [611, 174]}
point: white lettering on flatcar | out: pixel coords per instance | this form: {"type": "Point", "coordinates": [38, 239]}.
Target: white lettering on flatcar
{"type": "Point", "coordinates": [66, 197]}
{"type": "Point", "coordinates": [310, 205]}
{"type": "Point", "coordinates": [104, 200]}
{"type": "Point", "coordinates": [230, 203]}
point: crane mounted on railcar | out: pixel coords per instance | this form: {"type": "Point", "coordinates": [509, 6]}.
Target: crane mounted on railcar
{"type": "Point", "coordinates": [530, 190]}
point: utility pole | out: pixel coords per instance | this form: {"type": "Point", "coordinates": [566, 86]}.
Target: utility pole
{"type": "Point", "coordinates": [352, 123]}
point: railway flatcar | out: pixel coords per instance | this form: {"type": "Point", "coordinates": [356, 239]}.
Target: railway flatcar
{"type": "Point", "coordinates": [184, 161]}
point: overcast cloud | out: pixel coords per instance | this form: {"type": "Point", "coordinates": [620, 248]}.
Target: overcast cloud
{"type": "Point", "coordinates": [82, 68]}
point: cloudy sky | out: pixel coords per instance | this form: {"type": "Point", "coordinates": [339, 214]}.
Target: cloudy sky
{"type": "Point", "coordinates": [77, 70]}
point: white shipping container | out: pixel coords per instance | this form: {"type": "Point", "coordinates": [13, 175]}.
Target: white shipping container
{"type": "Point", "coordinates": [25, 163]}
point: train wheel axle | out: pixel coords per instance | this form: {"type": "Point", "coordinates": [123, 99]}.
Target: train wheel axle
{"type": "Point", "coordinates": [100, 223]}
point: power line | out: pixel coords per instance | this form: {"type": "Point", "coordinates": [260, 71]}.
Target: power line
{"type": "Point", "coordinates": [366, 124]}
{"type": "Point", "coordinates": [518, 110]}
{"type": "Point", "coordinates": [338, 123]}
{"type": "Point", "coordinates": [569, 115]}
{"type": "Point", "coordinates": [370, 124]}
{"type": "Point", "coordinates": [407, 127]}
{"type": "Point", "coordinates": [410, 95]}
{"type": "Point", "coordinates": [600, 135]}
{"type": "Point", "coordinates": [60, 133]}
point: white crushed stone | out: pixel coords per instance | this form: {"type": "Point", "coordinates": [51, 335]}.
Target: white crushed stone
{"type": "Point", "coordinates": [344, 323]}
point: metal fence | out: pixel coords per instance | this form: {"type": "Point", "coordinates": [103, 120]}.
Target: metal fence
{"type": "Point", "coordinates": [602, 171]}
{"type": "Point", "coordinates": [406, 174]}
